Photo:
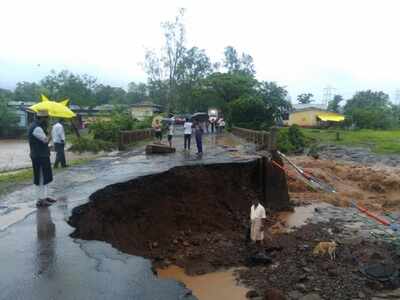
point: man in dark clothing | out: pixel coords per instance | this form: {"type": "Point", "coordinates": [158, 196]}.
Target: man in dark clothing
{"type": "Point", "coordinates": [40, 156]}
{"type": "Point", "coordinates": [198, 133]}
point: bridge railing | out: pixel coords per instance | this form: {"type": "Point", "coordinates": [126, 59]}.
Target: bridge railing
{"type": "Point", "coordinates": [263, 139]}
{"type": "Point", "coordinates": [127, 137]}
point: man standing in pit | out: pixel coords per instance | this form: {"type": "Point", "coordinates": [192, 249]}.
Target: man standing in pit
{"type": "Point", "coordinates": [58, 136]}
{"type": "Point", "coordinates": [40, 156]}
{"type": "Point", "coordinates": [257, 219]}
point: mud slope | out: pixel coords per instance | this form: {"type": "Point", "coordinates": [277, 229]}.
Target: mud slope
{"type": "Point", "coordinates": [148, 216]}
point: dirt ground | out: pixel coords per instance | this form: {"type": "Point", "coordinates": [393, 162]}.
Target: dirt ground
{"type": "Point", "coordinates": [375, 187]}
{"type": "Point", "coordinates": [197, 218]}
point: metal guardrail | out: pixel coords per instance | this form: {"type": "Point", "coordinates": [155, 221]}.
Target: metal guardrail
{"type": "Point", "coordinates": [264, 139]}
{"type": "Point", "coordinates": [127, 137]}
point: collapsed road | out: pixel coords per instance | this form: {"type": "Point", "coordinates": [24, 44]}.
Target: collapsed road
{"type": "Point", "coordinates": [40, 260]}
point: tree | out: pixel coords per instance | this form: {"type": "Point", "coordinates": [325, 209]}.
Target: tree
{"type": "Point", "coordinates": [28, 92]}
{"type": "Point", "coordinates": [193, 68]}
{"type": "Point", "coordinates": [233, 63]}
{"type": "Point", "coordinates": [8, 119]}
{"type": "Point", "coordinates": [305, 98]}
{"type": "Point", "coordinates": [137, 92]}
{"type": "Point", "coordinates": [78, 88]}
{"type": "Point", "coordinates": [275, 100]}
{"type": "Point", "coordinates": [249, 112]}
{"type": "Point", "coordinates": [105, 94]}
{"type": "Point", "coordinates": [229, 87]}
{"type": "Point", "coordinates": [164, 67]}
{"type": "Point", "coordinates": [334, 104]}
{"type": "Point", "coordinates": [6, 95]}
{"type": "Point", "coordinates": [368, 109]}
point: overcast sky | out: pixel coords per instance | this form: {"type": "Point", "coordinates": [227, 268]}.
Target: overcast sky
{"type": "Point", "coordinates": [305, 45]}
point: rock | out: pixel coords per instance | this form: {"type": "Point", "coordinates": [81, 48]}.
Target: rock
{"type": "Point", "coordinates": [301, 287]}
{"type": "Point", "coordinates": [274, 294]}
{"type": "Point", "coordinates": [302, 278]}
{"type": "Point", "coordinates": [155, 245]}
{"type": "Point", "coordinates": [312, 296]}
{"type": "Point", "coordinates": [175, 242]}
{"type": "Point", "coordinates": [295, 295]}
{"type": "Point", "coordinates": [186, 244]}
{"type": "Point", "coordinates": [252, 294]}
{"type": "Point", "coordinates": [361, 295]}
{"type": "Point", "coordinates": [307, 270]}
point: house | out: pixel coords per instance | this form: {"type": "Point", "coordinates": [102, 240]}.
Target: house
{"type": "Point", "coordinates": [20, 109]}
{"type": "Point", "coordinates": [145, 109]}
{"type": "Point", "coordinates": [313, 115]}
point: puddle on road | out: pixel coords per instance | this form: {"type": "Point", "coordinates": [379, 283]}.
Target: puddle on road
{"type": "Point", "coordinates": [298, 218]}
{"type": "Point", "coordinates": [212, 286]}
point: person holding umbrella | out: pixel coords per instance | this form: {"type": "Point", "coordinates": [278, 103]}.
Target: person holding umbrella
{"type": "Point", "coordinates": [198, 133]}
{"type": "Point", "coordinates": [40, 156]}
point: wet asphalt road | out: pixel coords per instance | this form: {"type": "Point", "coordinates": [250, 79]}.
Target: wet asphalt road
{"type": "Point", "coordinates": [39, 260]}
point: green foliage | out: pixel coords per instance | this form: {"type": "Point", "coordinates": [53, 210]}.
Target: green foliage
{"type": "Point", "coordinates": [379, 141]}
{"type": "Point", "coordinates": [368, 109]}
{"type": "Point", "coordinates": [108, 130]}
{"type": "Point", "coordinates": [105, 94]}
{"type": "Point", "coordinates": [8, 119]}
{"type": "Point", "coordinates": [305, 98]}
{"type": "Point", "coordinates": [333, 105]}
{"type": "Point", "coordinates": [77, 88]}
{"type": "Point", "coordinates": [234, 63]}
{"type": "Point", "coordinates": [28, 92]}
{"type": "Point", "coordinates": [249, 112]}
{"type": "Point", "coordinates": [292, 140]}
{"type": "Point", "coordinates": [87, 144]}
{"type": "Point", "coordinates": [274, 98]}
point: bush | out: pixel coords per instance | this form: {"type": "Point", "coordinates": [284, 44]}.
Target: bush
{"type": "Point", "coordinates": [292, 140]}
{"type": "Point", "coordinates": [108, 130]}
{"type": "Point", "coordinates": [88, 144]}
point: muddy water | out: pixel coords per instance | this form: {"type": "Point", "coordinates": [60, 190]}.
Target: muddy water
{"type": "Point", "coordinates": [288, 221]}
{"type": "Point", "coordinates": [212, 286]}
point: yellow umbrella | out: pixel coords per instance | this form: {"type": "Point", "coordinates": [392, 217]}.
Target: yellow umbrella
{"type": "Point", "coordinates": [55, 109]}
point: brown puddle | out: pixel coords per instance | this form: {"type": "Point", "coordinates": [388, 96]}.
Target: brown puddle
{"type": "Point", "coordinates": [211, 286]}
{"type": "Point", "coordinates": [290, 220]}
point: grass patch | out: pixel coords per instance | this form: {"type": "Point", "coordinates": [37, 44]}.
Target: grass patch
{"type": "Point", "coordinates": [379, 141]}
{"type": "Point", "coordinates": [10, 179]}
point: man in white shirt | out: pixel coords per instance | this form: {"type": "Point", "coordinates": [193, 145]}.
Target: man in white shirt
{"type": "Point", "coordinates": [58, 136]}
{"type": "Point", "coordinates": [187, 133]}
{"type": "Point", "coordinates": [257, 219]}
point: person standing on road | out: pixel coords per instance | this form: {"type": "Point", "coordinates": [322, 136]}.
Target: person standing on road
{"type": "Point", "coordinates": [257, 219]}
{"type": "Point", "coordinates": [58, 136]}
{"type": "Point", "coordinates": [221, 125]}
{"type": "Point", "coordinates": [158, 130]}
{"type": "Point", "coordinates": [171, 130]}
{"type": "Point", "coordinates": [198, 132]}
{"type": "Point", "coordinates": [40, 156]}
{"type": "Point", "coordinates": [187, 133]}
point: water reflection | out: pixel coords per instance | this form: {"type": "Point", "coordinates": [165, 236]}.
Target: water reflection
{"type": "Point", "coordinates": [46, 231]}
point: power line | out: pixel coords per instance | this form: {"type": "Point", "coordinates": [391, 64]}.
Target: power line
{"type": "Point", "coordinates": [327, 94]}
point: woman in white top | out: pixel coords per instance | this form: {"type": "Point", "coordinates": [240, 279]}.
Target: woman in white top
{"type": "Point", "coordinates": [187, 133]}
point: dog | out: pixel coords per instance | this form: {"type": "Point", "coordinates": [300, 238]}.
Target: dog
{"type": "Point", "coordinates": [324, 247]}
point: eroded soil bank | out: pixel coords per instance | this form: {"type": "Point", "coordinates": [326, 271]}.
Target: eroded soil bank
{"type": "Point", "coordinates": [195, 217]}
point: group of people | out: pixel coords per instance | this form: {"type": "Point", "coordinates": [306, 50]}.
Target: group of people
{"type": "Point", "coordinates": [189, 127]}
{"type": "Point", "coordinates": [39, 139]}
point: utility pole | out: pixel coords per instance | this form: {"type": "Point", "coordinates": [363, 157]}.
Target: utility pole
{"type": "Point", "coordinates": [327, 95]}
